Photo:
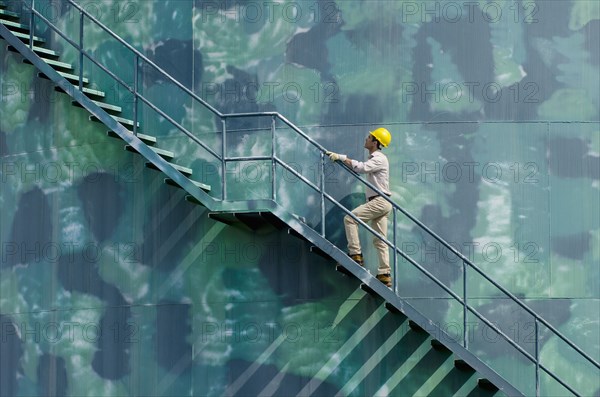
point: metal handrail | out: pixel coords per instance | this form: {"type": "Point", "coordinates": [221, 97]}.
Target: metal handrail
{"type": "Point", "coordinates": [442, 241]}
{"type": "Point", "coordinates": [321, 189]}
{"type": "Point", "coordinates": [144, 58]}
{"type": "Point", "coordinates": [534, 359]}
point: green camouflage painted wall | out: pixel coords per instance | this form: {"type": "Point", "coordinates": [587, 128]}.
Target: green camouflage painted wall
{"type": "Point", "coordinates": [112, 284]}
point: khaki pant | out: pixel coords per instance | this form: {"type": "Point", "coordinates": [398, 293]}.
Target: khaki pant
{"type": "Point", "coordinates": [376, 211]}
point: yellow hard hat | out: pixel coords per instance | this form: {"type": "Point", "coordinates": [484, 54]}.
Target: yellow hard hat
{"type": "Point", "coordinates": [383, 136]}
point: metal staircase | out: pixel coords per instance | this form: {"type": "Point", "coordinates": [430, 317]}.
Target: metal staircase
{"type": "Point", "coordinates": [15, 29]}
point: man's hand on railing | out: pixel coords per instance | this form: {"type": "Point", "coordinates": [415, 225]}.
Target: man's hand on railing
{"type": "Point", "coordinates": [336, 156]}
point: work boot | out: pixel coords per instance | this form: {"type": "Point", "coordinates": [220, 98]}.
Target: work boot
{"type": "Point", "coordinates": [358, 258]}
{"type": "Point", "coordinates": [386, 279]}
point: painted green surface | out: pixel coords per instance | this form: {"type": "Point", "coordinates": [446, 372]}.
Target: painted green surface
{"type": "Point", "coordinates": [112, 284]}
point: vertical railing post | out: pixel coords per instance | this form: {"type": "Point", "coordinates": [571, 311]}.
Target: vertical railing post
{"type": "Point", "coordinates": [136, 70]}
{"type": "Point", "coordinates": [31, 25]}
{"type": "Point", "coordinates": [223, 159]}
{"type": "Point", "coordinates": [322, 190]}
{"type": "Point", "coordinates": [395, 248]}
{"type": "Point", "coordinates": [465, 309]}
{"type": "Point", "coordinates": [537, 357]}
{"type": "Point", "coordinates": [81, 19]}
{"type": "Point", "coordinates": [273, 164]}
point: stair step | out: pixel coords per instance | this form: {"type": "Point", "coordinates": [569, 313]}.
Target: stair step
{"type": "Point", "coordinates": [68, 76]}
{"type": "Point", "coordinates": [343, 270]}
{"type": "Point", "coordinates": [39, 50]}
{"type": "Point", "coordinates": [439, 346]}
{"type": "Point", "coordinates": [368, 290]}
{"type": "Point", "coordinates": [165, 154]}
{"type": "Point", "coordinates": [201, 185]}
{"type": "Point", "coordinates": [253, 220]}
{"type": "Point", "coordinates": [92, 92]}
{"type": "Point", "coordinates": [6, 14]}
{"type": "Point", "coordinates": [463, 366]}
{"type": "Point", "coordinates": [392, 308]}
{"type": "Point", "coordinates": [13, 25]}
{"type": "Point", "coordinates": [414, 326]}
{"type": "Point", "coordinates": [193, 200]}
{"type": "Point", "coordinates": [316, 250]}
{"type": "Point", "coordinates": [486, 384]}
{"type": "Point", "coordinates": [184, 170]}
{"type": "Point", "coordinates": [294, 233]}
{"type": "Point", "coordinates": [25, 37]}
{"type": "Point", "coordinates": [147, 139]}
{"type": "Point", "coordinates": [105, 106]}
{"type": "Point", "coordinates": [117, 118]}
{"type": "Point", "coordinates": [73, 77]}
{"type": "Point", "coordinates": [88, 91]}
{"type": "Point", "coordinates": [54, 64]}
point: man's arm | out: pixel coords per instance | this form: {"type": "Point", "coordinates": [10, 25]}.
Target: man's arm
{"type": "Point", "coordinates": [373, 164]}
{"type": "Point", "coordinates": [370, 165]}
{"type": "Point", "coordinates": [339, 157]}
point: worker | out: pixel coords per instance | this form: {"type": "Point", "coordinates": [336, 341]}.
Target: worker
{"type": "Point", "coordinates": [377, 208]}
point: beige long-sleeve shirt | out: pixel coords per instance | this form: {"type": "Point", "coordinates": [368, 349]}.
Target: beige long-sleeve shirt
{"type": "Point", "coordinates": [377, 169]}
